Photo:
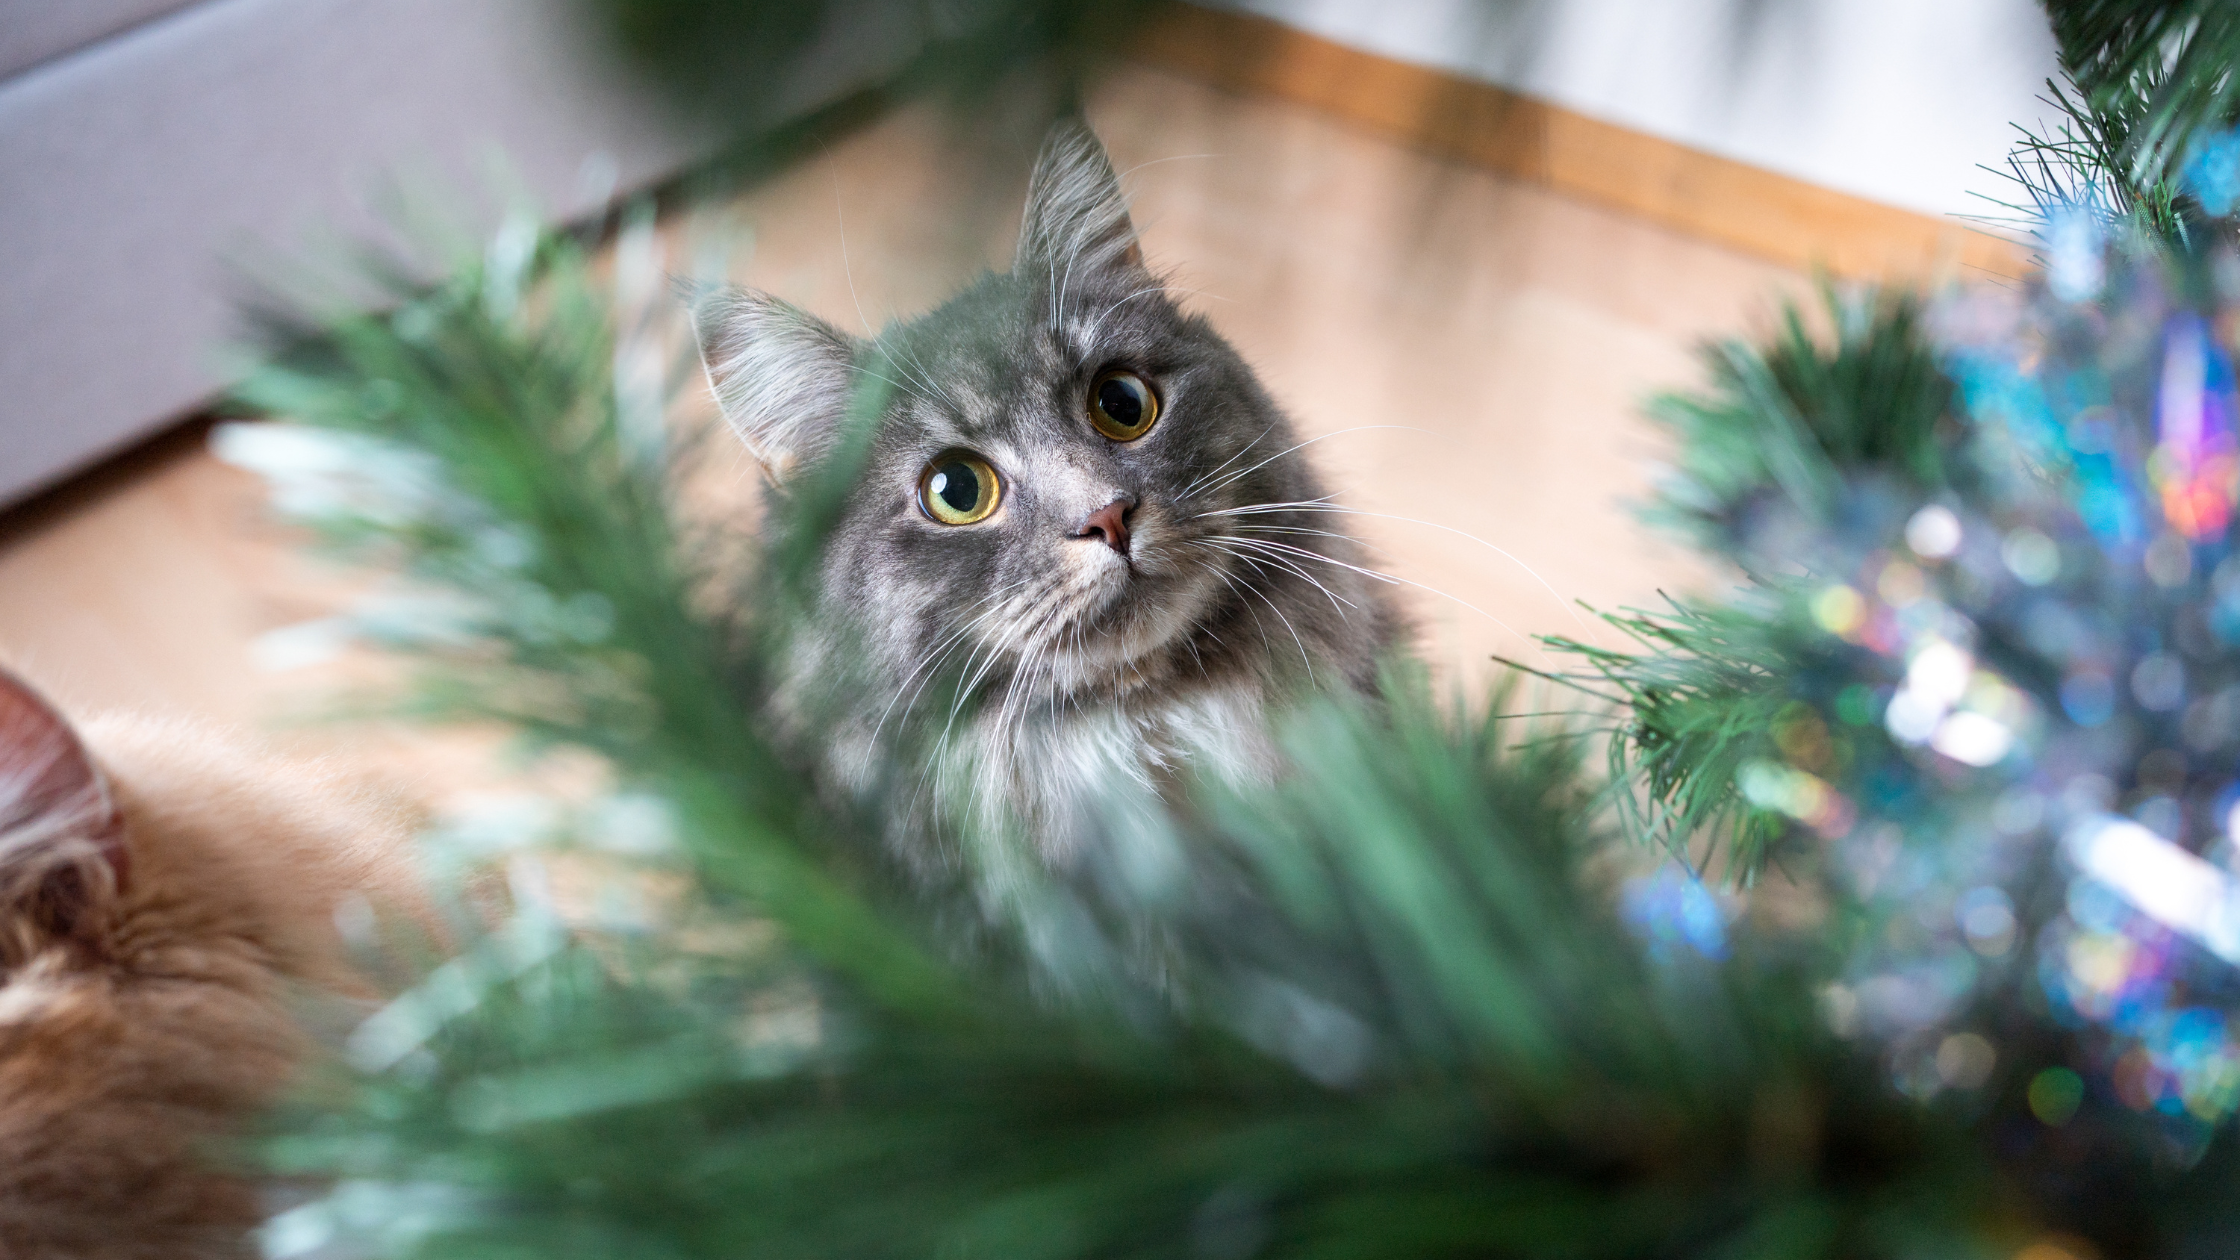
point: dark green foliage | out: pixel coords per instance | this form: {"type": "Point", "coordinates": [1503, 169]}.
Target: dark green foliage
{"type": "Point", "coordinates": [1792, 418]}
{"type": "Point", "coordinates": [2071, 165]}
{"type": "Point", "coordinates": [2148, 82]}
{"type": "Point", "coordinates": [1775, 447]}
{"type": "Point", "coordinates": [2157, 72]}
{"type": "Point", "coordinates": [1698, 697]}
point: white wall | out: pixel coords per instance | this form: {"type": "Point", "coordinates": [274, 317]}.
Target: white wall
{"type": "Point", "coordinates": [137, 173]}
{"type": "Point", "coordinates": [1894, 100]}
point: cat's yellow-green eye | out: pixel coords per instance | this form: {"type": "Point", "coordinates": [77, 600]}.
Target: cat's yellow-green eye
{"type": "Point", "coordinates": [1122, 406]}
{"type": "Point", "coordinates": [959, 488]}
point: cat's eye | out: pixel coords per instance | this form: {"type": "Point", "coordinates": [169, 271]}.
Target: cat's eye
{"type": "Point", "coordinates": [959, 488]}
{"type": "Point", "coordinates": [1122, 407]}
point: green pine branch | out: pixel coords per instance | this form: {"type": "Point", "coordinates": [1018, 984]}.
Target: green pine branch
{"type": "Point", "coordinates": [2156, 73]}
{"type": "Point", "coordinates": [2147, 84]}
{"type": "Point", "coordinates": [1785, 423]}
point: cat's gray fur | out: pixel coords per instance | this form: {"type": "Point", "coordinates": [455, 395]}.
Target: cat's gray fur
{"type": "Point", "coordinates": [1080, 669]}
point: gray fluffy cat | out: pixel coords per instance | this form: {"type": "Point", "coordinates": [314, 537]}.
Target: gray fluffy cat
{"type": "Point", "coordinates": [1084, 553]}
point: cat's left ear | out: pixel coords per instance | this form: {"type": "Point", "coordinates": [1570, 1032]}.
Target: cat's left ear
{"type": "Point", "coordinates": [781, 375]}
{"type": "Point", "coordinates": [62, 853]}
{"type": "Point", "coordinates": [1077, 219]}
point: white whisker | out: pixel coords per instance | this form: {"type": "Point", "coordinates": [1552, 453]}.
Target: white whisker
{"type": "Point", "coordinates": [1234, 477]}
{"type": "Point", "coordinates": [1032, 612]}
{"type": "Point", "coordinates": [1089, 336]}
{"type": "Point", "coordinates": [860, 370]}
{"type": "Point", "coordinates": [943, 645]}
{"type": "Point", "coordinates": [840, 211]}
{"type": "Point", "coordinates": [1260, 545]}
{"type": "Point", "coordinates": [1122, 177]}
{"type": "Point", "coordinates": [1336, 510]}
{"type": "Point", "coordinates": [930, 380]}
{"type": "Point", "coordinates": [1246, 588]}
{"type": "Point", "coordinates": [1185, 494]}
{"type": "Point", "coordinates": [1401, 581]}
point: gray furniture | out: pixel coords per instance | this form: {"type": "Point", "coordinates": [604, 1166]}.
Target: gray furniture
{"type": "Point", "coordinates": [147, 147]}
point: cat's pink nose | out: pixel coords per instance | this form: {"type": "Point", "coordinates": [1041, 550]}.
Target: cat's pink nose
{"type": "Point", "coordinates": [1110, 523]}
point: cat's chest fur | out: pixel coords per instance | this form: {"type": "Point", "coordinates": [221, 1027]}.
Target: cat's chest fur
{"type": "Point", "coordinates": [1054, 770]}
{"type": "Point", "coordinates": [1059, 767]}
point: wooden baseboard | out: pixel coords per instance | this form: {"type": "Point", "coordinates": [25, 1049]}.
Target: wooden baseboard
{"type": "Point", "coordinates": [1741, 206]}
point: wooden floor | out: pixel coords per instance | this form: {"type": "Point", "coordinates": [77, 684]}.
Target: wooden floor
{"type": "Point", "coordinates": [1474, 349]}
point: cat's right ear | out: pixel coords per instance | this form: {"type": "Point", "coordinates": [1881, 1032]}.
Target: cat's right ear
{"type": "Point", "coordinates": [1077, 217]}
{"type": "Point", "coordinates": [781, 375]}
{"type": "Point", "coordinates": [62, 852]}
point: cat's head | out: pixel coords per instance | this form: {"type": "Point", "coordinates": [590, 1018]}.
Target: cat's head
{"type": "Point", "coordinates": [1055, 450]}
